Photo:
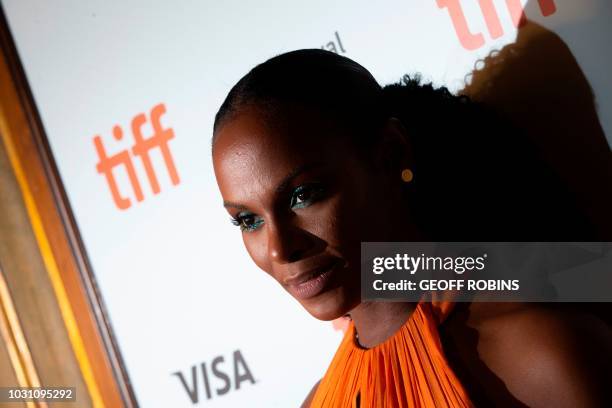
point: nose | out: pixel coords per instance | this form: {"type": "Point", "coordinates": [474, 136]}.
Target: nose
{"type": "Point", "coordinates": [288, 243]}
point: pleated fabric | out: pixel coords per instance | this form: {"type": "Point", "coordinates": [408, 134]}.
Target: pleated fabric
{"type": "Point", "coordinates": [408, 370]}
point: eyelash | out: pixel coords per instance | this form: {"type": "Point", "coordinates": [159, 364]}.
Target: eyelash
{"type": "Point", "coordinates": [315, 190]}
{"type": "Point", "coordinates": [239, 221]}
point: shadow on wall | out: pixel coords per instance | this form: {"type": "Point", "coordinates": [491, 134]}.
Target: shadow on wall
{"type": "Point", "coordinates": [538, 85]}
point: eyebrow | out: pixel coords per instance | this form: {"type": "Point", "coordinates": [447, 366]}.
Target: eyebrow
{"type": "Point", "coordinates": [282, 186]}
{"type": "Point", "coordinates": [229, 204]}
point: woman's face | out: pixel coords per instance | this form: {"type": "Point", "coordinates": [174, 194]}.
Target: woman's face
{"type": "Point", "coordinates": [304, 199]}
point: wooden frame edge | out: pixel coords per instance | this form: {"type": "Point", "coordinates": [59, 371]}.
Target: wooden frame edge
{"type": "Point", "coordinates": [17, 346]}
{"type": "Point", "coordinates": [57, 235]}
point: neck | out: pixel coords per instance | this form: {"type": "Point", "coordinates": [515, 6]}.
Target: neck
{"type": "Point", "coordinates": [375, 322]}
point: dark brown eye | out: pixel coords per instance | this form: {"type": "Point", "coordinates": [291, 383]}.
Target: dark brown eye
{"type": "Point", "coordinates": [305, 195]}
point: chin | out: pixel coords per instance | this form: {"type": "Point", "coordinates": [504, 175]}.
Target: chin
{"type": "Point", "coordinates": [329, 306]}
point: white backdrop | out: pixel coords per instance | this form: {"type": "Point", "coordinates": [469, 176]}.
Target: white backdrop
{"type": "Point", "coordinates": [178, 284]}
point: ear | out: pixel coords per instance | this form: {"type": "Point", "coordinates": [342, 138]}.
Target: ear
{"type": "Point", "coordinates": [394, 152]}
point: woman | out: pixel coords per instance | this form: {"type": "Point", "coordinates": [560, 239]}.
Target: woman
{"type": "Point", "coordinates": [312, 157]}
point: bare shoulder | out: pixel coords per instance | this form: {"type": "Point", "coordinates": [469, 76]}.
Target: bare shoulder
{"type": "Point", "coordinates": [548, 356]}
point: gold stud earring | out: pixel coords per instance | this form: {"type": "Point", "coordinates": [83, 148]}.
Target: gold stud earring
{"type": "Point", "coordinates": [407, 175]}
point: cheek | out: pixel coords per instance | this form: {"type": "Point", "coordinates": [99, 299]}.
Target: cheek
{"type": "Point", "coordinates": [335, 222]}
{"type": "Point", "coordinates": [256, 246]}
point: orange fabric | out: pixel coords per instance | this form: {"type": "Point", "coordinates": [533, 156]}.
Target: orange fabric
{"type": "Point", "coordinates": [407, 370]}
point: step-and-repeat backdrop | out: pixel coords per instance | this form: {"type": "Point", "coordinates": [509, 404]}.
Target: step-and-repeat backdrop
{"type": "Point", "coordinates": [127, 91]}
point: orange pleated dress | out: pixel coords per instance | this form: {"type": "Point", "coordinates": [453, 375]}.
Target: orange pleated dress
{"type": "Point", "coordinates": [408, 370]}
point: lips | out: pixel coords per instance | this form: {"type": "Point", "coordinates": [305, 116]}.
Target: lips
{"type": "Point", "coordinates": [311, 283]}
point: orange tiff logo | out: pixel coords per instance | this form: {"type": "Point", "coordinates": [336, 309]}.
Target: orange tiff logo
{"type": "Point", "coordinates": [141, 148]}
{"type": "Point", "coordinates": [473, 41]}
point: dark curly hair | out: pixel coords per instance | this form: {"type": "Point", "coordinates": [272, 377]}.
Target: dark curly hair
{"type": "Point", "coordinates": [477, 177]}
